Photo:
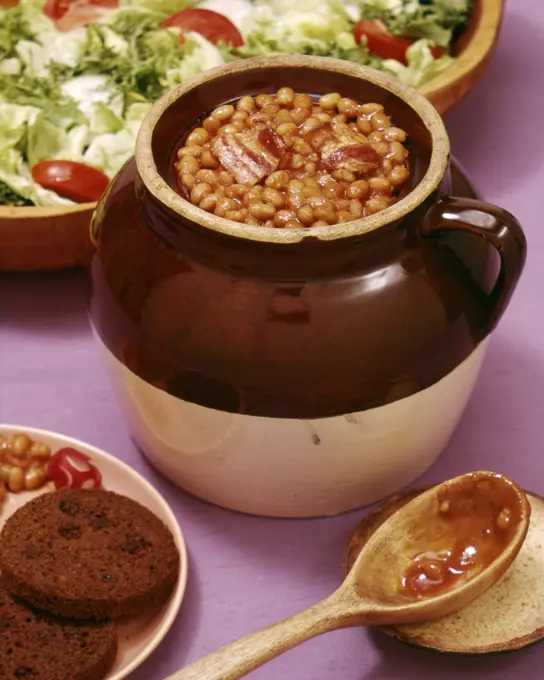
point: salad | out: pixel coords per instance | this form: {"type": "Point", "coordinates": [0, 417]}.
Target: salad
{"type": "Point", "coordinates": [77, 77]}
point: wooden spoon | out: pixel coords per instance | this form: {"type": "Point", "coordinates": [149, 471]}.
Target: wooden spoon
{"type": "Point", "coordinates": [432, 557]}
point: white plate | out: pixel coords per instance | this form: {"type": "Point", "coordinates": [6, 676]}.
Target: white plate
{"type": "Point", "coordinates": [139, 637]}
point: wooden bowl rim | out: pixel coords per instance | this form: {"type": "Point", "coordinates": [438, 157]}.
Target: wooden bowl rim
{"type": "Point", "coordinates": [12, 212]}
{"type": "Point", "coordinates": [475, 52]}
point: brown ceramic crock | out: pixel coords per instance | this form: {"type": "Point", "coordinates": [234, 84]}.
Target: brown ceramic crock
{"type": "Point", "coordinates": [296, 372]}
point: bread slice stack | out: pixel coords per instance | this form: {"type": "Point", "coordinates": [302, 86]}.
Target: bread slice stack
{"type": "Point", "coordinates": [508, 616]}
{"type": "Point", "coordinates": [72, 562]}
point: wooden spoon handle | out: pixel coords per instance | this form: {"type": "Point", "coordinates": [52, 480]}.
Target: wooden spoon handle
{"type": "Point", "coordinates": [248, 653]}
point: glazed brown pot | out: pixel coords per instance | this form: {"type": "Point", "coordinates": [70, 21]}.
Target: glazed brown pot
{"type": "Point", "coordinates": [296, 372]}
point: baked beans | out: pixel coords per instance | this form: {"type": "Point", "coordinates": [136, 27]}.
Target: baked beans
{"type": "Point", "coordinates": [23, 464]}
{"type": "Point", "coordinates": [292, 160]}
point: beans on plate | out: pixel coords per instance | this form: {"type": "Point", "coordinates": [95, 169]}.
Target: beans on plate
{"type": "Point", "coordinates": [292, 160]}
{"type": "Point", "coordinates": [23, 464]}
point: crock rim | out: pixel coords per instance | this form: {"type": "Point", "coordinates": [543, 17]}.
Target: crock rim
{"type": "Point", "coordinates": [160, 189]}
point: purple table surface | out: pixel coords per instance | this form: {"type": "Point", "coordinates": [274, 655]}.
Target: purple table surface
{"type": "Point", "coordinates": [245, 572]}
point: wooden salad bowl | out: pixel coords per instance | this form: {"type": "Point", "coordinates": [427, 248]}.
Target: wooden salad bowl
{"type": "Point", "coordinates": [56, 237]}
{"type": "Point", "coordinates": [44, 237]}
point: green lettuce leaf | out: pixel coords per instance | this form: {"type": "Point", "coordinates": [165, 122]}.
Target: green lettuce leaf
{"type": "Point", "coordinates": [109, 152]}
{"type": "Point", "coordinates": [88, 90]}
{"type": "Point", "coordinates": [46, 141]}
{"type": "Point", "coordinates": [198, 55]}
{"type": "Point", "coordinates": [103, 120]}
{"type": "Point", "coordinates": [303, 27]}
{"type": "Point", "coordinates": [9, 197]}
{"type": "Point", "coordinates": [135, 115]}
{"type": "Point", "coordinates": [24, 22]}
{"type": "Point", "coordinates": [42, 93]}
{"type": "Point", "coordinates": [14, 122]}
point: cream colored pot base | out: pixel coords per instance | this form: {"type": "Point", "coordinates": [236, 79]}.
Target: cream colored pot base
{"type": "Point", "coordinates": [283, 467]}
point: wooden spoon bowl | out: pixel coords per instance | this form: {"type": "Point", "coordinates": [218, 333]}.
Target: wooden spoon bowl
{"type": "Point", "coordinates": [459, 513]}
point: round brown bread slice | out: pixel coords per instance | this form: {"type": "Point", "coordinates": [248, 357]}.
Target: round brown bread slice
{"type": "Point", "coordinates": [88, 554]}
{"type": "Point", "coordinates": [40, 647]}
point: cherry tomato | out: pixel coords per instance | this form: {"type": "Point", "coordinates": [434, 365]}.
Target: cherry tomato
{"type": "Point", "coordinates": [56, 9]}
{"type": "Point", "coordinates": [384, 44]}
{"type": "Point", "coordinates": [71, 469]}
{"type": "Point", "coordinates": [213, 26]}
{"type": "Point", "coordinates": [76, 181]}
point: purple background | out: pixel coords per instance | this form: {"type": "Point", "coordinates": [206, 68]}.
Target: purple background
{"type": "Point", "coordinates": [246, 572]}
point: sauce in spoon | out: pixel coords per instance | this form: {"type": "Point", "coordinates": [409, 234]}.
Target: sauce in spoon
{"type": "Point", "coordinates": [480, 512]}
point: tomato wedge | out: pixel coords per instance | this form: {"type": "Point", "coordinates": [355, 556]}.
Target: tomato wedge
{"type": "Point", "coordinates": [384, 44]}
{"type": "Point", "coordinates": [78, 182]}
{"type": "Point", "coordinates": [71, 469]}
{"type": "Point", "coordinates": [211, 25]}
{"type": "Point", "coordinates": [56, 9]}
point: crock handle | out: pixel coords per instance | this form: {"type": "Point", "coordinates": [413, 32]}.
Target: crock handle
{"type": "Point", "coordinates": [495, 225]}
